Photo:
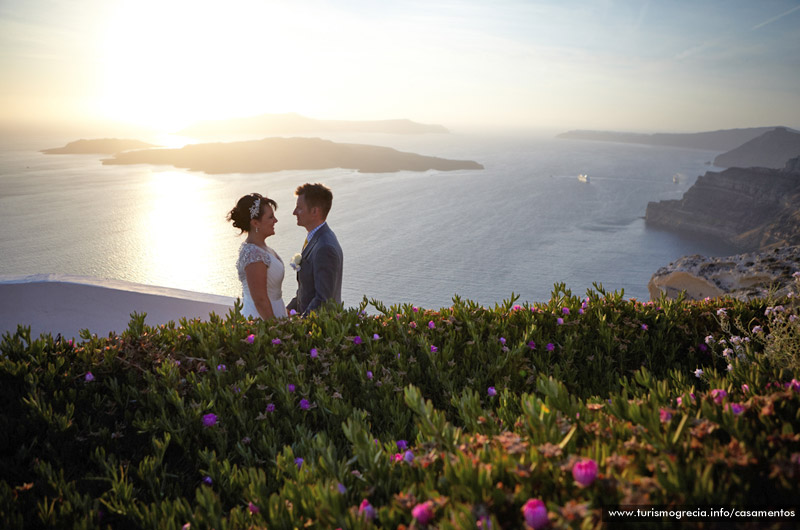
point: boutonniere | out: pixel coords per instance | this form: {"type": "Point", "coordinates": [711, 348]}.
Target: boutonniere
{"type": "Point", "coordinates": [295, 263]}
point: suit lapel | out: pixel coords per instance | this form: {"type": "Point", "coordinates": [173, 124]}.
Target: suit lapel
{"type": "Point", "coordinates": [307, 251]}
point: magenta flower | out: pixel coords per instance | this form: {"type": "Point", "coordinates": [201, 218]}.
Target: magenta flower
{"type": "Point", "coordinates": [252, 508]}
{"type": "Point", "coordinates": [413, 324]}
{"type": "Point", "coordinates": [293, 312]}
{"type": "Point", "coordinates": [644, 327]}
{"type": "Point", "coordinates": [584, 471]}
{"type": "Point", "coordinates": [516, 308]}
{"type": "Point", "coordinates": [298, 462]}
{"type": "Point", "coordinates": [580, 311]}
{"type": "Point", "coordinates": [737, 408]}
{"type": "Point", "coordinates": [402, 445]}
{"type": "Point", "coordinates": [535, 514]}
{"type": "Point", "coordinates": [415, 309]}
{"type": "Point", "coordinates": [502, 340]}
{"type": "Point", "coordinates": [718, 395]}
{"type": "Point", "coordinates": [250, 339]}
{"type": "Point", "coordinates": [491, 391]}
{"type": "Point", "coordinates": [434, 349]}
{"type": "Point", "coordinates": [221, 367]}
{"type": "Point", "coordinates": [423, 512]}
{"type": "Point", "coordinates": [745, 388]}
{"type": "Point", "coordinates": [565, 310]}
{"type": "Point", "coordinates": [366, 509]}
{"type": "Point", "coordinates": [551, 346]}
{"type": "Point", "coordinates": [532, 345]}
{"type": "Point", "coordinates": [304, 404]}
{"type": "Point", "coordinates": [559, 321]}
{"type": "Point", "coordinates": [89, 377]}
{"type": "Point", "coordinates": [357, 340]}
{"type": "Point", "coordinates": [369, 374]}
{"type": "Point", "coordinates": [376, 337]}
{"type": "Point", "coordinates": [270, 407]}
{"type": "Point", "coordinates": [209, 420]}
{"type": "Point", "coordinates": [314, 353]}
{"type": "Point", "coordinates": [276, 342]}
{"type": "Point", "coordinates": [679, 400]}
{"type": "Point", "coordinates": [207, 480]}
{"type": "Point", "coordinates": [290, 387]}
{"type": "Point", "coordinates": [431, 325]}
{"type": "Point", "coordinates": [665, 415]}
{"type": "Point", "coordinates": [408, 457]}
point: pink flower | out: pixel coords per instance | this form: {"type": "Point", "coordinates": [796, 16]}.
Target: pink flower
{"type": "Point", "coordinates": [252, 508]}
{"type": "Point", "coordinates": [408, 457]}
{"type": "Point", "coordinates": [304, 404]}
{"type": "Point", "coordinates": [559, 321]}
{"type": "Point", "coordinates": [745, 388]}
{"type": "Point", "coordinates": [209, 420]}
{"type": "Point", "coordinates": [565, 310]}
{"type": "Point", "coordinates": [276, 342]}
{"type": "Point", "coordinates": [516, 308]}
{"type": "Point", "coordinates": [718, 394]}
{"type": "Point", "coordinates": [357, 340]}
{"type": "Point", "coordinates": [376, 337]}
{"type": "Point", "coordinates": [250, 339]}
{"type": "Point", "coordinates": [89, 377]}
{"type": "Point", "coordinates": [491, 391]}
{"type": "Point", "coordinates": [644, 327]}
{"type": "Point", "coordinates": [665, 415]}
{"type": "Point", "coordinates": [314, 353]}
{"type": "Point", "coordinates": [221, 367]}
{"type": "Point", "coordinates": [415, 309]}
{"type": "Point", "coordinates": [431, 325]}
{"type": "Point", "coordinates": [369, 374]}
{"type": "Point", "coordinates": [535, 514]}
{"type": "Point", "coordinates": [434, 349]}
{"type": "Point", "coordinates": [584, 471]}
{"type": "Point", "coordinates": [413, 324]}
{"type": "Point", "coordinates": [366, 510]}
{"type": "Point", "coordinates": [551, 346]}
{"type": "Point", "coordinates": [423, 512]}
{"type": "Point", "coordinates": [532, 345]}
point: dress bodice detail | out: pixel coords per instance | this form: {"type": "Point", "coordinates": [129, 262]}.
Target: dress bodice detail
{"type": "Point", "coordinates": [249, 254]}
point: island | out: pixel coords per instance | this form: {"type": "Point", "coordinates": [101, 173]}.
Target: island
{"type": "Point", "coordinates": [772, 149]}
{"type": "Point", "coordinates": [291, 123]}
{"type": "Point", "coordinates": [277, 154]}
{"type": "Point", "coordinates": [98, 146]}
{"type": "Point", "coordinates": [753, 208]}
{"type": "Point", "coordinates": [723, 140]}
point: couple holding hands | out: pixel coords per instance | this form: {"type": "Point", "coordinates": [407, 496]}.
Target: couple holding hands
{"type": "Point", "coordinates": [261, 270]}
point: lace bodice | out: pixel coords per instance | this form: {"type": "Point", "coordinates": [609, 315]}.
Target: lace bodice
{"type": "Point", "coordinates": [249, 254]}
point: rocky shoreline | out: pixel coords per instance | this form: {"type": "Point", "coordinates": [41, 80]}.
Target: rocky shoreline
{"type": "Point", "coordinates": [743, 276]}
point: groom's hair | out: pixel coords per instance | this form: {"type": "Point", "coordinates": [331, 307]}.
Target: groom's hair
{"type": "Point", "coordinates": [316, 196]}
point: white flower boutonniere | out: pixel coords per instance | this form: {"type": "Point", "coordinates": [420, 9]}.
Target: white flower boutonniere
{"type": "Point", "coordinates": [295, 263]}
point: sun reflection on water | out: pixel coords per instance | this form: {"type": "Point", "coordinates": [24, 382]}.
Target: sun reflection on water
{"type": "Point", "coordinates": [175, 225]}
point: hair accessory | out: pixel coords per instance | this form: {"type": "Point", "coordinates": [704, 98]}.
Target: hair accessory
{"type": "Point", "coordinates": [255, 208]}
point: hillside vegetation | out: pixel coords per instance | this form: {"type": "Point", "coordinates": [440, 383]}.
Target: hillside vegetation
{"type": "Point", "coordinates": [465, 417]}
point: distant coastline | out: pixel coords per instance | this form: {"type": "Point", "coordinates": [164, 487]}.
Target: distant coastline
{"type": "Point", "coordinates": [278, 154]}
{"type": "Point", "coordinates": [98, 146]}
{"type": "Point", "coordinates": [723, 140]}
{"type": "Point", "coordinates": [292, 123]}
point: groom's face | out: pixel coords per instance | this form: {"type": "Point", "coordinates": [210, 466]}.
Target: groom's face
{"type": "Point", "coordinates": [302, 212]}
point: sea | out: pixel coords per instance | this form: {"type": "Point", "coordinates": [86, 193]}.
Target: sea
{"type": "Point", "coordinates": [511, 230]}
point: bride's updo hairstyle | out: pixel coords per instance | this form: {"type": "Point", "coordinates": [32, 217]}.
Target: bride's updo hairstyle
{"type": "Point", "coordinates": [248, 208]}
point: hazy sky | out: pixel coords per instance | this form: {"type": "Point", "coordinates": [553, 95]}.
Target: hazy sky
{"type": "Point", "coordinates": [666, 65]}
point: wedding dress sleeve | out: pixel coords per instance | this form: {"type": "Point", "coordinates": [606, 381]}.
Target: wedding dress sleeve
{"type": "Point", "coordinates": [251, 254]}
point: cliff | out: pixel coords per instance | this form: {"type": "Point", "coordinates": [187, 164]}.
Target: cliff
{"type": "Point", "coordinates": [771, 149]}
{"type": "Point", "coordinates": [753, 208]}
{"type": "Point", "coordinates": [743, 276]}
{"type": "Point", "coordinates": [97, 146]}
{"type": "Point", "coordinates": [722, 140]}
{"type": "Point", "coordinates": [277, 154]}
{"type": "Point", "coordinates": [290, 123]}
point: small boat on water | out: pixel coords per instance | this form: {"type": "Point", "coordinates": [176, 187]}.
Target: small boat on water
{"type": "Point", "coordinates": [583, 178]}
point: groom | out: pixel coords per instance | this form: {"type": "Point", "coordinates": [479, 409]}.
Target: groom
{"type": "Point", "coordinates": [319, 274]}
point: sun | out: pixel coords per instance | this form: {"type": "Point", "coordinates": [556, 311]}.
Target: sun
{"type": "Point", "coordinates": [167, 64]}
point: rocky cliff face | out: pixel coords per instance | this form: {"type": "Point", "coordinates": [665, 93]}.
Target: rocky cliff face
{"type": "Point", "coordinates": [771, 149]}
{"type": "Point", "coordinates": [753, 208]}
{"type": "Point", "coordinates": [742, 276]}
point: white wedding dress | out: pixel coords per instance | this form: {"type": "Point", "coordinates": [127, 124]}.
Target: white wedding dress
{"type": "Point", "coordinates": [249, 253]}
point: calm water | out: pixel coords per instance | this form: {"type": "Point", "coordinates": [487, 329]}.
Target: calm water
{"type": "Point", "coordinates": [521, 225]}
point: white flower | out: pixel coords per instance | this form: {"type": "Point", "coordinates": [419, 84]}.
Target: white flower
{"type": "Point", "coordinates": [295, 263]}
{"type": "Point", "coordinates": [698, 373]}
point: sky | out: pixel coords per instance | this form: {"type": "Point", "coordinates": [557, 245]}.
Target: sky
{"type": "Point", "coordinates": [625, 65]}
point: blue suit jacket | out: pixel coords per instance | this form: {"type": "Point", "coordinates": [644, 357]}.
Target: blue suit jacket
{"type": "Point", "coordinates": [320, 276]}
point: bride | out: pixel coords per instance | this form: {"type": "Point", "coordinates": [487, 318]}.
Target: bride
{"type": "Point", "coordinates": [260, 268]}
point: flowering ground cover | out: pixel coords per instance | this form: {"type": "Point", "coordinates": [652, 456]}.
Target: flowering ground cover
{"type": "Point", "coordinates": [402, 417]}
